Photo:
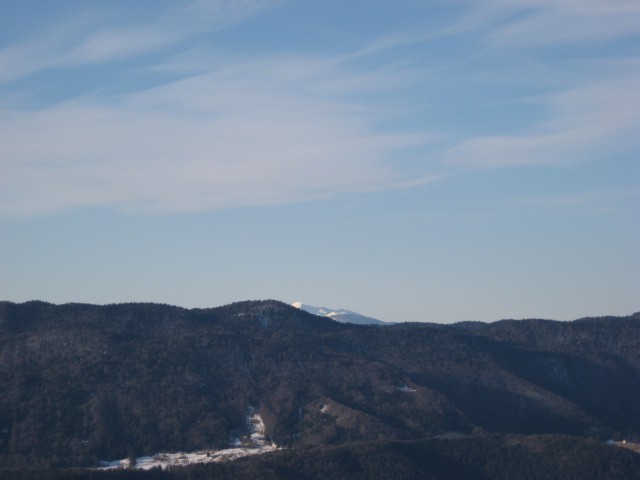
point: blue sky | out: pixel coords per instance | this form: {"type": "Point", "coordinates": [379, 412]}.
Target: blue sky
{"type": "Point", "coordinates": [410, 160]}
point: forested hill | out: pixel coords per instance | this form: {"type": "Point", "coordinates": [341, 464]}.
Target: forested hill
{"type": "Point", "coordinates": [82, 383]}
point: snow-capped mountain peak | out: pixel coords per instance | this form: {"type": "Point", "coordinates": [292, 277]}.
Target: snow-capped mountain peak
{"type": "Point", "coordinates": [339, 315]}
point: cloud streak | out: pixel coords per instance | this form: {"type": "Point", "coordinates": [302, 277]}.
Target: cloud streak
{"type": "Point", "coordinates": [249, 134]}
{"type": "Point", "coordinates": [587, 122]}
{"type": "Point", "coordinates": [277, 127]}
{"type": "Point", "coordinates": [83, 39]}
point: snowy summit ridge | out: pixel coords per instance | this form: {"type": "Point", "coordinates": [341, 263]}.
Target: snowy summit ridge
{"type": "Point", "coordinates": [339, 315]}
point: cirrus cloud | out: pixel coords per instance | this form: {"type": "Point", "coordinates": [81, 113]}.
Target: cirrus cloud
{"type": "Point", "coordinates": [249, 134]}
{"type": "Point", "coordinates": [199, 128]}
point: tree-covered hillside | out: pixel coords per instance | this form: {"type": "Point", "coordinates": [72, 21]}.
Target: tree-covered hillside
{"type": "Point", "coordinates": [83, 383]}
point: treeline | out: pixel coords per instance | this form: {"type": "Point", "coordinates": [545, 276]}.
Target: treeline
{"type": "Point", "coordinates": [82, 383]}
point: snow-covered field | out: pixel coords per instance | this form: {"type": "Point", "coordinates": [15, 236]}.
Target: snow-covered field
{"type": "Point", "coordinates": [251, 443]}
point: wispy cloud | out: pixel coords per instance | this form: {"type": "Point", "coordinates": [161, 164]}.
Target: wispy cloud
{"type": "Point", "coordinates": [531, 23]}
{"type": "Point", "coordinates": [568, 21]}
{"type": "Point", "coordinates": [103, 36]}
{"type": "Point", "coordinates": [251, 133]}
{"type": "Point", "coordinates": [592, 109]}
{"type": "Point", "coordinates": [274, 127]}
{"type": "Point", "coordinates": [116, 44]}
{"type": "Point", "coordinates": [585, 123]}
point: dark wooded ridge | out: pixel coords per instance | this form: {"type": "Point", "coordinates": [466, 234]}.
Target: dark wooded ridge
{"type": "Point", "coordinates": [82, 383]}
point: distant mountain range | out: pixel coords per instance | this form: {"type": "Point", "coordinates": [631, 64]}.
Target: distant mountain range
{"type": "Point", "coordinates": [339, 315]}
{"type": "Point", "coordinates": [529, 399]}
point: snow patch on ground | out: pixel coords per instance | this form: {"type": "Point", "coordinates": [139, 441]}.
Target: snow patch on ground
{"type": "Point", "coordinates": [253, 442]}
{"type": "Point", "coordinates": [405, 388]}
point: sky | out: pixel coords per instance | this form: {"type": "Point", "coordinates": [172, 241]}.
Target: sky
{"type": "Point", "coordinates": [412, 160]}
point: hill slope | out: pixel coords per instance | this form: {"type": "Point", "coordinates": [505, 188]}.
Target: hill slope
{"type": "Point", "coordinates": [83, 383]}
